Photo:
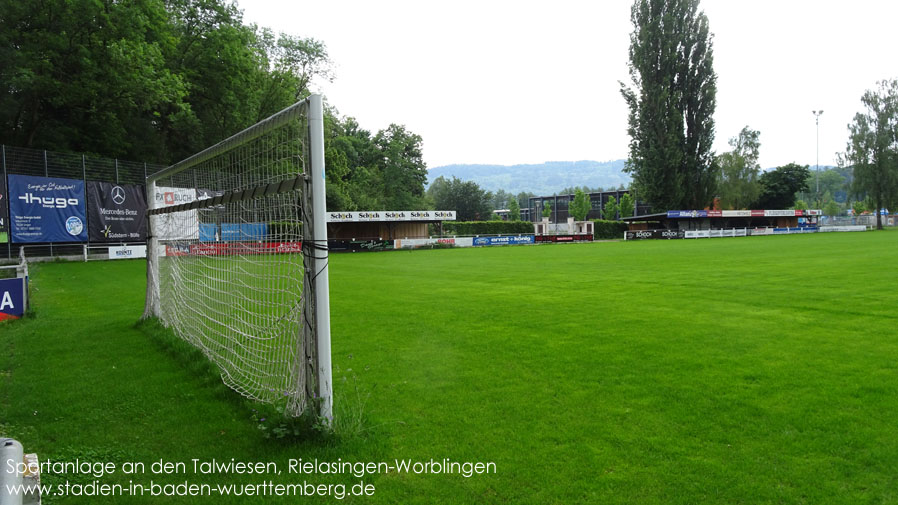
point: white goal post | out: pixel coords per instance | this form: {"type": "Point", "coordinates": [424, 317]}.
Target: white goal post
{"type": "Point", "coordinates": [237, 258]}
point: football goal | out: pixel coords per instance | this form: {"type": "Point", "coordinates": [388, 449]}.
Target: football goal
{"type": "Point", "coordinates": [237, 258]}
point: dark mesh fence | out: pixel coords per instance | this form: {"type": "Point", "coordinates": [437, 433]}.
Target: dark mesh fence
{"type": "Point", "coordinates": [36, 162]}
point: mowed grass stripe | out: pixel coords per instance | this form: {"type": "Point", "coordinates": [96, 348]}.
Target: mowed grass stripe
{"type": "Point", "coordinates": [753, 370]}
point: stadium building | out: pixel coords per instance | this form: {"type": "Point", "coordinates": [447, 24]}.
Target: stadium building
{"type": "Point", "coordinates": [560, 203]}
{"type": "Point", "coordinates": [374, 230]}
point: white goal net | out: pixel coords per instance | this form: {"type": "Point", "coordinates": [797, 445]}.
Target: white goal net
{"type": "Point", "coordinates": [237, 258]}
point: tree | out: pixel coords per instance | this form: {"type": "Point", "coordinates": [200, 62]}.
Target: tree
{"type": "Point", "coordinates": [501, 199]}
{"type": "Point", "coordinates": [153, 80]}
{"type": "Point", "coordinates": [466, 198]}
{"type": "Point", "coordinates": [610, 210]}
{"type": "Point", "coordinates": [514, 210]}
{"type": "Point", "coordinates": [627, 205]}
{"type": "Point", "coordinates": [672, 103]}
{"type": "Point", "coordinates": [89, 76]}
{"type": "Point", "coordinates": [800, 205]}
{"type": "Point", "coordinates": [779, 186]}
{"type": "Point", "coordinates": [303, 59]}
{"type": "Point", "coordinates": [738, 183]}
{"type": "Point", "coordinates": [227, 67]}
{"type": "Point", "coordinates": [291, 63]}
{"type": "Point", "coordinates": [580, 207]}
{"type": "Point", "coordinates": [832, 181]}
{"type": "Point", "coordinates": [547, 209]}
{"type": "Point", "coordinates": [873, 147]}
{"type": "Point", "coordinates": [380, 172]}
{"type": "Point", "coordinates": [831, 208]}
{"type": "Point", "coordinates": [402, 167]}
{"type": "Point", "coordinates": [858, 207]}
{"type": "Point", "coordinates": [870, 205]}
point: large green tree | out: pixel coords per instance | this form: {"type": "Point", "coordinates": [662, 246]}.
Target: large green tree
{"type": "Point", "coordinates": [780, 186]}
{"type": "Point", "coordinates": [153, 80]}
{"type": "Point", "coordinates": [873, 147]}
{"type": "Point", "coordinates": [738, 184]}
{"type": "Point", "coordinates": [158, 80]}
{"type": "Point", "coordinates": [88, 76]}
{"type": "Point", "coordinates": [672, 102]}
{"type": "Point", "coordinates": [830, 207]}
{"type": "Point", "coordinates": [627, 205]}
{"type": "Point", "coordinates": [514, 210]}
{"type": "Point", "coordinates": [580, 206]}
{"type": "Point", "coordinates": [384, 171]}
{"type": "Point", "coordinates": [469, 201]}
{"type": "Point", "coordinates": [609, 213]}
{"type": "Point", "coordinates": [402, 166]}
{"type": "Point", "coordinates": [501, 199]}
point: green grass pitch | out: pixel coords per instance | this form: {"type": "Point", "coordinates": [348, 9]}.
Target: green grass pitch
{"type": "Point", "coordinates": [746, 370]}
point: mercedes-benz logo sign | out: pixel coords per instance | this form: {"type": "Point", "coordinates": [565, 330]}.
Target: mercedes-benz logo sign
{"type": "Point", "coordinates": [118, 195]}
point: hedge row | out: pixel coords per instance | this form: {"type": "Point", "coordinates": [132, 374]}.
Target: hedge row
{"type": "Point", "coordinates": [487, 227]}
{"type": "Point", "coordinates": [608, 229]}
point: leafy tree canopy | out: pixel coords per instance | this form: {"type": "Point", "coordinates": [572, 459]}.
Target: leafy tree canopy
{"type": "Point", "coordinates": [779, 186]}
{"type": "Point", "coordinates": [580, 207]}
{"type": "Point", "coordinates": [466, 198]}
{"type": "Point", "coordinates": [627, 205]}
{"type": "Point", "coordinates": [873, 147]}
{"type": "Point", "coordinates": [514, 210]}
{"type": "Point", "coordinates": [738, 183]}
{"type": "Point", "coordinates": [672, 102]}
{"type": "Point", "coordinates": [158, 80]}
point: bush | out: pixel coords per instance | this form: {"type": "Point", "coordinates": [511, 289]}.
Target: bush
{"type": "Point", "coordinates": [608, 229]}
{"type": "Point", "coordinates": [487, 228]}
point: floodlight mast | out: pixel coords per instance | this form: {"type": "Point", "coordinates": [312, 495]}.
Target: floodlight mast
{"type": "Point", "coordinates": [319, 260]}
{"type": "Point", "coordinates": [817, 114]}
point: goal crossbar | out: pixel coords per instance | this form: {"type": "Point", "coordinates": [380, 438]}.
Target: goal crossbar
{"type": "Point", "coordinates": [236, 196]}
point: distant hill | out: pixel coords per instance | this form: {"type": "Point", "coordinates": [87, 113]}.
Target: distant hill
{"type": "Point", "coordinates": [543, 179]}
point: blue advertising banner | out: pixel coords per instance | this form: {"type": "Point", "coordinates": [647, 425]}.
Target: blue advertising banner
{"type": "Point", "coordinates": [12, 298]}
{"type": "Point", "coordinates": [4, 236]}
{"type": "Point", "coordinates": [243, 231]}
{"type": "Point", "coordinates": [687, 213]}
{"type": "Point", "coordinates": [793, 231]}
{"type": "Point", "coordinates": [45, 209]}
{"type": "Point", "coordinates": [208, 232]}
{"type": "Point", "coordinates": [507, 240]}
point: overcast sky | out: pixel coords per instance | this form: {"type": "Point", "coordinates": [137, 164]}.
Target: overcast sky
{"type": "Point", "coordinates": [509, 82]}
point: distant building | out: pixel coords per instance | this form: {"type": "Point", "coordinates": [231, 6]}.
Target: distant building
{"type": "Point", "coordinates": [559, 205]}
{"type": "Point", "coordinates": [504, 214]}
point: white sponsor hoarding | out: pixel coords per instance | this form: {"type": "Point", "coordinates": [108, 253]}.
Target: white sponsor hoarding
{"type": "Point", "coordinates": [780, 213]}
{"type": "Point", "coordinates": [175, 225]}
{"type": "Point", "coordinates": [413, 243]}
{"type": "Point", "coordinates": [730, 232]}
{"type": "Point", "coordinates": [390, 215]}
{"type": "Point", "coordinates": [129, 251]}
{"type": "Point", "coordinates": [850, 227]}
{"type": "Point", "coordinates": [736, 213]}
